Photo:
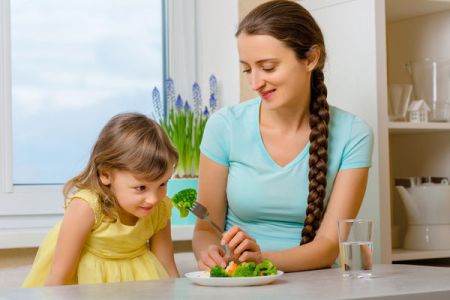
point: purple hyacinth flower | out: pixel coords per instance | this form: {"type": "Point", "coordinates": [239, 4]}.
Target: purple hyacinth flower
{"type": "Point", "coordinates": [179, 103]}
{"type": "Point", "coordinates": [197, 97]}
{"type": "Point", "coordinates": [170, 92]}
{"type": "Point", "coordinates": [157, 103]}
{"type": "Point", "coordinates": [187, 107]}
{"type": "Point", "coordinates": [206, 112]}
{"type": "Point", "coordinates": [213, 85]}
{"type": "Point", "coordinates": [213, 102]}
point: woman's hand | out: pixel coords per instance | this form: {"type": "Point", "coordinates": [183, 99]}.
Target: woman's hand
{"type": "Point", "coordinates": [242, 246]}
{"type": "Point", "coordinates": [213, 255]}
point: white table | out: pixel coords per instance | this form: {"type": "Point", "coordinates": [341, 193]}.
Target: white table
{"type": "Point", "coordinates": [389, 282]}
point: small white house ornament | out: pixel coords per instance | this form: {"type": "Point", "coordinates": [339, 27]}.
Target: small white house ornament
{"type": "Point", "coordinates": [418, 111]}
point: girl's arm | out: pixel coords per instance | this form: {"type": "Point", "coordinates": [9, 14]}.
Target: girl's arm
{"type": "Point", "coordinates": [76, 226]}
{"type": "Point", "coordinates": [212, 193]}
{"type": "Point", "coordinates": [161, 245]}
{"type": "Point", "coordinates": [345, 201]}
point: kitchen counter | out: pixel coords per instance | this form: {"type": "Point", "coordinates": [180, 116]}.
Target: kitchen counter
{"type": "Point", "coordinates": [389, 282]}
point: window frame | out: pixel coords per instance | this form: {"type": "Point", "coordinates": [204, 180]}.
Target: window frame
{"type": "Point", "coordinates": [5, 99]}
{"type": "Point", "coordinates": [27, 212]}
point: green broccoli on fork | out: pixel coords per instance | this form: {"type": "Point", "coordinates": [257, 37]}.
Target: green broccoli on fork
{"type": "Point", "coordinates": [184, 200]}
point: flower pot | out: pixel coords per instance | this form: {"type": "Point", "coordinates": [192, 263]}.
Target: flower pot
{"type": "Point", "coordinates": [174, 186]}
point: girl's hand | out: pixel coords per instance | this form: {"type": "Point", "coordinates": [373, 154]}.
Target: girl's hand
{"type": "Point", "coordinates": [242, 246]}
{"type": "Point", "coordinates": [213, 255]}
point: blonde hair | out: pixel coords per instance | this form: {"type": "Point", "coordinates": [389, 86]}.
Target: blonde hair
{"type": "Point", "coordinates": [129, 142]}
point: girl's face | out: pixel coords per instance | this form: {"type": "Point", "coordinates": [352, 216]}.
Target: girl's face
{"type": "Point", "coordinates": [274, 71]}
{"type": "Point", "coordinates": [136, 197]}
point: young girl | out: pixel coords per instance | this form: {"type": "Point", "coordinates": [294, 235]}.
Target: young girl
{"type": "Point", "coordinates": [116, 225]}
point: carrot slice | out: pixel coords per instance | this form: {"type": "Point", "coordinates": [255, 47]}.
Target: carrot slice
{"type": "Point", "coordinates": [232, 268]}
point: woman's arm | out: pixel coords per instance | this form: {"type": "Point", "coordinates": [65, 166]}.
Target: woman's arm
{"type": "Point", "coordinates": [161, 245]}
{"type": "Point", "coordinates": [212, 193]}
{"type": "Point", "coordinates": [346, 198]}
{"type": "Point", "coordinates": [76, 226]}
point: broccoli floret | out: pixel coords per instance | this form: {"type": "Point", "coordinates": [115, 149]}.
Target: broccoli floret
{"type": "Point", "coordinates": [218, 271]}
{"type": "Point", "coordinates": [245, 269]}
{"type": "Point", "coordinates": [183, 200]}
{"type": "Point", "coordinates": [265, 268]}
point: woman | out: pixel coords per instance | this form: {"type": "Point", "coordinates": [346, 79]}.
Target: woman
{"type": "Point", "coordinates": [278, 171]}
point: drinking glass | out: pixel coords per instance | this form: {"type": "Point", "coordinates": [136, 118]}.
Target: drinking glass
{"type": "Point", "coordinates": [399, 98]}
{"type": "Point", "coordinates": [356, 247]}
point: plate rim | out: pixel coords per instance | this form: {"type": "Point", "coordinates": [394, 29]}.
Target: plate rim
{"type": "Point", "coordinates": [231, 281]}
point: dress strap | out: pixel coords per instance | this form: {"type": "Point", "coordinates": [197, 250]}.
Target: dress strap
{"type": "Point", "coordinates": [93, 200]}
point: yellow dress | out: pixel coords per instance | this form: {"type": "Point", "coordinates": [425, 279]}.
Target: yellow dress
{"type": "Point", "coordinates": [113, 252]}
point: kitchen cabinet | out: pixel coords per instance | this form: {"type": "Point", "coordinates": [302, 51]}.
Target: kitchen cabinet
{"type": "Point", "coordinates": [368, 43]}
{"type": "Point", "coordinates": [415, 30]}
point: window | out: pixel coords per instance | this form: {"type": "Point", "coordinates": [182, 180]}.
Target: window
{"type": "Point", "coordinates": [66, 67]}
{"type": "Point", "coordinates": [118, 59]}
{"type": "Point", "coordinates": [74, 65]}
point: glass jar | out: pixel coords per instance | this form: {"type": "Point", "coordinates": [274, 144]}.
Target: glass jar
{"type": "Point", "coordinates": [431, 78]}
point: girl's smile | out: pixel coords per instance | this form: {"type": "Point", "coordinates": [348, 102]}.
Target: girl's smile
{"type": "Point", "coordinates": [146, 208]}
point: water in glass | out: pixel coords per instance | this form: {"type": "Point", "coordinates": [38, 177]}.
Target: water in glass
{"type": "Point", "coordinates": [356, 259]}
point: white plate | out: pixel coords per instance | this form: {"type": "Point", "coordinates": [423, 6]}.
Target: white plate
{"type": "Point", "coordinates": [202, 278]}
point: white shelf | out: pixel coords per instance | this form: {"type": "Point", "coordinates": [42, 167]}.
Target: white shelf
{"type": "Point", "coordinates": [407, 127]}
{"type": "Point", "coordinates": [182, 232]}
{"type": "Point", "coordinates": [404, 254]}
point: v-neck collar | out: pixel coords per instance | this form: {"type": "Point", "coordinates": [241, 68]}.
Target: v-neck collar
{"type": "Point", "coordinates": [263, 148]}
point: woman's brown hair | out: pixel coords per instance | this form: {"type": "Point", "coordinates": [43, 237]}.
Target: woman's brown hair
{"type": "Point", "coordinates": [129, 142]}
{"type": "Point", "coordinates": [290, 23]}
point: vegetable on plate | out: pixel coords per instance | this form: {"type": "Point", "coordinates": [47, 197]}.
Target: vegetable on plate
{"type": "Point", "coordinates": [244, 269]}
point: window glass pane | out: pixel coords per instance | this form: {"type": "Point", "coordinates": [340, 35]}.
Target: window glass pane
{"type": "Point", "coordinates": [75, 64]}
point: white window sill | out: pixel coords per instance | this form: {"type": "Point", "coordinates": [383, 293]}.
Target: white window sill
{"type": "Point", "coordinates": [24, 224]}
{"type": "Point", "coordinates": [32, 237]}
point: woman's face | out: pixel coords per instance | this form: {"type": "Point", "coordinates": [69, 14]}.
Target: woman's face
{"type": "Point", "coordinates": [274, 71]}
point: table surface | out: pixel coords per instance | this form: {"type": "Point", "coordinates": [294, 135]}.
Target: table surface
{"type": "Point", "coordinates": [388, 282]}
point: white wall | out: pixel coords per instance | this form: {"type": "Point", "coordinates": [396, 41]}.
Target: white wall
{"type": "Point", "coordinates": [202, 43]}
{"type": "Point", "coordinates": [216, 47]}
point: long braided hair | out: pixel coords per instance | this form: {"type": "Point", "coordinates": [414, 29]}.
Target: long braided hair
{"type": "Point", "coordinates": [290, 23]}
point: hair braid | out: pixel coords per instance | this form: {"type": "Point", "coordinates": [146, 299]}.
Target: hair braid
{"type": "Point", "coordinates": [318, 156]}
{"type": "Point", "coordinates": [292, 24]}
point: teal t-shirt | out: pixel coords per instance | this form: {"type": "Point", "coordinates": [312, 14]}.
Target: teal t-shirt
{"type": "Point", "coordinates": [264, 199]}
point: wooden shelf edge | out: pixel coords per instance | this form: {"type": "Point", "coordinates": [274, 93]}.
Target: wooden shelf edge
{"type": "Point", "coordinates": [405, 254]}
{"type": "Point", "coordinates": [407, 127]}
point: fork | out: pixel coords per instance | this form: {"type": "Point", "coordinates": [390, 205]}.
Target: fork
{"type": "Point", "coordinates": [201, 212]}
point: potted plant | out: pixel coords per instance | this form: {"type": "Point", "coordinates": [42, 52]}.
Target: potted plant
{"type": "Point", "coordinates": [184, 123]}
